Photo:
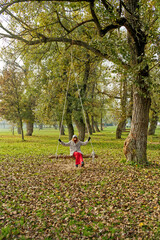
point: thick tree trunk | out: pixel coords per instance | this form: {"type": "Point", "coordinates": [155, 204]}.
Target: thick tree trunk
{"type": "Point", "coordinates": [136, 143]}
{"type": "Point", "coordinates": [62, 131]}
{"type": "Point", "coordinates": [70, 130]}
{"type": "Point", "coordinates": [93, 129]}
{"type": "Point", "coordinates": [19, 128]}
{"type": "Point", "coordinates": [122, 121]}
{"type": "Point", "coordinates": [96, 126]}
{"type": "Point", "coordinates": [29, 128]}
{"type": "Point", "coordinates": [153, 123]}
{"type": "Point", "coordinates": [69, 125]}
{"type": "Point", "coordinates": [81, 129]}
{"type": "Point", "coordinates": [61, 128]}
{"type": "Point", "coordinates": [120, 128]}
{"type": "Point", "coordinates": [135, 147]}
{"type": "Point", "coordinates": [69, 116]}
{"type": "Point", "coordinates": [88, 124]}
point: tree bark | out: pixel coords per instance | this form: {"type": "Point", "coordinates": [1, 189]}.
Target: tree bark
{"type": "Point", "coordinates": [78, 114]}
{"type": "Point", "coordinates": [122, 121]}
{"type": "Point", "coordinates": [81, 129]}
{"type": "Point", "coordinates": [21, 127]}
{"type": "Point", "coordinates": [88, 123]}
{"type": "Point", "coordinates": [153, 123]}
{"type": "Point", "coordinates": [68, 116]}
{"type": "Point", "coordinates": [93, 129]}
{"type": "Point", "coordinates": [69, 125]}
{"type": "Point", "coordinates": [136, 143]}
{"type": "Point", "coordinates": [29, 128]}
{"type": "Point", "coordinates": [101, 122]}
{"type": "Point", "coordinates": [96, 126]}
{"type": "Point", "coordinates": [120, 128]}
{"type": "Point", "coordinates": [19, 130]}
{"type": "Point", "coordinates": [61, 128]}
{"type": "Point", "coordinates": [135, 146]}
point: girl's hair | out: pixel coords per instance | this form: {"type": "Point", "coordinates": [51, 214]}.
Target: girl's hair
{"type": "Point", "coordinates": [74, 136]}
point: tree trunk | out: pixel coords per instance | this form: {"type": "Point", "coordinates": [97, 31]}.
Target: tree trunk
{"type": "Point", "coordinates": [69, 125]}
{"type": "Point", "coordinates": [12, 130]}
{"type": "Point", "coordinates": [122, 121]}
{"type": "Point", "coordinates": [93, 129]}
{"type": "Point", "coordinates": [153, 123]}
{"type": "Point", "coordinates": [29, 128]}
{"type": "Point", "coordinates": [88, 124]}
{"type": "Point", "coordinates": [120, 128]}
{"type": "Point", "coordinates": [96, 126]}
{"type": "Point", "coordinates": [68, 116]}
{"type": "Point", "coordinates": [135, 147]}
{"type": "Point", "coordinates": [101, 122]}
{"type": "Point", "coordinates": [61, 128]}
{"type": "Point", "coordinates": [81, 129]}
{"type": "Point", "coordinates": [21, 127]}
{"type": "Point", "coordinates": [136, 143]}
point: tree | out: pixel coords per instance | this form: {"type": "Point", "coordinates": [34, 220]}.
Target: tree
{"type": "Point", "coordinates": [98, 18]}
{"type": "Point", "coordinates": [12, 104]}
{"type": "Point", "coordinates": [155, 106]}
{"type": "Point", "coordinates": [123, 115]}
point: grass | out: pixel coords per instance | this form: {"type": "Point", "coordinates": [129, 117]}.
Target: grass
{"type": "Point", "coordinates": [51, 199]}
{"type": "Point", "coordinates": [45, 142]}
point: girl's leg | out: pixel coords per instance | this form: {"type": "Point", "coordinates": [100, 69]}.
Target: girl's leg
{"type": "Point", "coordinates": [75, 154]}
{"type": "Point", "coordinates": [79, 158]}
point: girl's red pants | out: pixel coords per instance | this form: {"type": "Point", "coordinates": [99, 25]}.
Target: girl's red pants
{"type": "Point", "coordinates": [78, 157]}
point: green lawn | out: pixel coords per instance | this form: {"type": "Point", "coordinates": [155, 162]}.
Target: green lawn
{"type": "Point", "coordinates": [47, 199]}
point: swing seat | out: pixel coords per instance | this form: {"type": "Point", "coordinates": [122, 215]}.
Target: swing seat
{"type": "Point", "coordinates": [68, 156]}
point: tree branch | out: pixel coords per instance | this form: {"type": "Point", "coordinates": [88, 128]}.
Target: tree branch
{"type": "Point", "coordinates": [108, 6]}
{"type": "Point", "coordinates": [61, 23]}
{"type": "Point", "coordinates": [44, 39]}
{"type": "Point", "coordinates": [18, 19]}
{"type": "Point", "coordinates": [107, 94]}
{"type": "Point", "coordinates": [71, 30]}
{"type": "Point", "coordinates": [118, 23]}
{"type": "Point", "coordinates": [128, 9]}
{"type": "Point", "coordinates": [96, 21]}
{"type": "Point", "coordinates": [157, 64]}
{"type": "Point", "coordinates": [5, 8]}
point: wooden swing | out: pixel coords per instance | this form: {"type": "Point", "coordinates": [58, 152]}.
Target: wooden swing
{"type": "Point", "coordinates": [71, 157]}
{"type": "Point", "coordinates": [56, 156]}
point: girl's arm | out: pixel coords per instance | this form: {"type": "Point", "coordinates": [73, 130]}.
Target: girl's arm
{"type": "Point", "coordinates": [65, 144]}
{"type": "Point", "coordinates": [86, 142]}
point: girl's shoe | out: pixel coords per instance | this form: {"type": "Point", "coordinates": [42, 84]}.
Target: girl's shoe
{"type": "Point", "coordinates": [82, 164]}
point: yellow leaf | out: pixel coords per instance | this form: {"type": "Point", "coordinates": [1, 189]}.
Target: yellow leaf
{"type": "Point", "coordinates": [141, 224]}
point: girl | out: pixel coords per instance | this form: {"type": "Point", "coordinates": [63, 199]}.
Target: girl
{"type": "Point", "coordinates": [75, 149]}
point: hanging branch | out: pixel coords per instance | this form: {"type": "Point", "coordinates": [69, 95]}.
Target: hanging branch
{"type": "Point", "coordinates": [71, 30]}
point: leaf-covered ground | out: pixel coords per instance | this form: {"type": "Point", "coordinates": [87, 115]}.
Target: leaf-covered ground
{"type": "Point", "coordinates": [107, 199]}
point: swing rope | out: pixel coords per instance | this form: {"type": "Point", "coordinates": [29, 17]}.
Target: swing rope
{"type": "Point", "coordinates": [93, 153]}
{"type": "Point", "coordinates": [72, 68]}
{"type": "Point", "coordinates": [69, 78]}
